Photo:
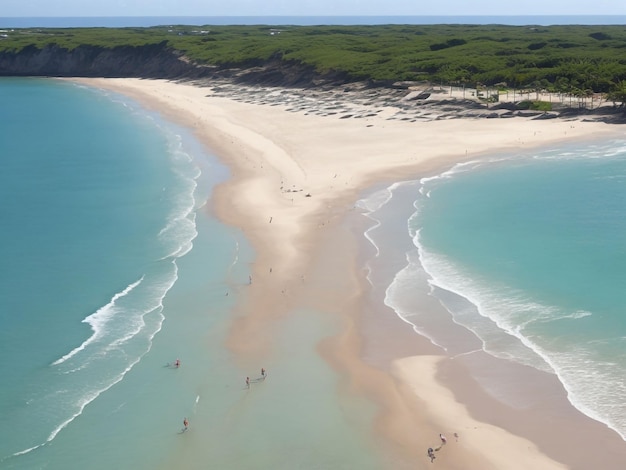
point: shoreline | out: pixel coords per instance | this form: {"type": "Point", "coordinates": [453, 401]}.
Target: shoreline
{"type": "Point", "coordinates": [295, 179]}
{"type": "Point", "coordinates": [534, 412]}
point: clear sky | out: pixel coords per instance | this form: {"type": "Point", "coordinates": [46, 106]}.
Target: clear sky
{"type": "Point", "coordinates": [30, 8]}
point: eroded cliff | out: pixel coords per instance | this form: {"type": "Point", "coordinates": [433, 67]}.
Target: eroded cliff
{"type": "Point", "coordinates": [154, 61]}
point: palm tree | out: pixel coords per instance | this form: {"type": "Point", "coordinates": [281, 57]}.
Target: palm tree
{"type": "Point", "coordinates": [618, 94]}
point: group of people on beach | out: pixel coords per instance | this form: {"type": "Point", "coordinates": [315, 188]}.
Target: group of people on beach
{"type": "Point", "coordinates": [263, 376]}
{"type": "Point", "coordinates": [444, 441]}
{"type": "Point", "coordinates": [176, 364]}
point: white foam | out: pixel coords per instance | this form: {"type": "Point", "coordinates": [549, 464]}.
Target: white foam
{"type": "Point", "coordinates": [594, 385]}
{"type": "Point", "coordinates": [376, 200]}
{"type": "Point", "coordinates": [135, 313]}
{"type": "Point", "coordinates": [178, 235]}
{"type": "Point", "coordinates": [26, 451]}
{"type": "Point", "coordinates": [98, 321]}
{"type": "Point", "coordinates": [180, 229]}
{"type": "Point", "coordinates": [591, 384]}
{"type": "Point", "coordinates": [107, 382]}
{"type": "Point", "coordinates": [372, 204]}
{"type": "Point", "coordinates": [88, 398]}
{"type": "Point", "coordinates": [507, 311]}
{"type": "Point", "coordinates": [403, 279]}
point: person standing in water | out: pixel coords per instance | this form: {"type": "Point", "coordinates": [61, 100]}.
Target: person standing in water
{"type": "Point", "coordinates": [262, 373]}
{"type": "Point", "coordinates": [247, 382]}
{"type": "Point", "coordinates": [185, 424]}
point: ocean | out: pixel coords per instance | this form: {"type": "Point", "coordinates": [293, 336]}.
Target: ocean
{"type": "Point", "coordinates": [525, 251]}
{"type": "Point", "coordinates": [114, 268]}
{"type": "Point", "coordinates": [100, 202]}
{"type": "Point", "coordinates": [147, 21]}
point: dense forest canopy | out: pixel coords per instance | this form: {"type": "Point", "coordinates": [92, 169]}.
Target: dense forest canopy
{"type": "Point", "coordinates": [572, 59]}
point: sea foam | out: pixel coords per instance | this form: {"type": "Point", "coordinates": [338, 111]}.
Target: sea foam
{"type": "Point", "coordinates": [568, 339]}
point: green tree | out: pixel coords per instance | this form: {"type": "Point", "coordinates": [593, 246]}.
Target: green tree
{"type": "Point", "coordinates": [618, 94]}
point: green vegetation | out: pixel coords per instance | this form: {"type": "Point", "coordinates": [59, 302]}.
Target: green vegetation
{"type": "Point", "coordinates": [618, 93]}
{"type": "Point", "coordinates": [535, 105]}
{"type": "Point", "coordinates": [572, 59]}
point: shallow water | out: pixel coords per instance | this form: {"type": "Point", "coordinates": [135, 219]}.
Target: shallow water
{"type": "Point", "coordinates": [527, 253]}
{"type": "Point", "coordinates": [101, 200]}
{"type": "Point", "coordinates": [114, 268]}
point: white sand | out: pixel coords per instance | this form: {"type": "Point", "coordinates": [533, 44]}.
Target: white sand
{"type": "Point", "coordinates": [282, 156]}
{"type": "Point", "coordinates": [489, 445]}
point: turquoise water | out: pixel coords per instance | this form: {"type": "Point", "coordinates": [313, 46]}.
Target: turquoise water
{"type": "Point", "coordinates": [112, 269]}
{"type": "Point", "coordinates": [528, 253]}
{"type": "Point", "coordinates": [99, 206]}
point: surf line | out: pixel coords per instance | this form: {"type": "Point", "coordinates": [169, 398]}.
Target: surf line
{"type": "Point", "coordinates": [97, 320]}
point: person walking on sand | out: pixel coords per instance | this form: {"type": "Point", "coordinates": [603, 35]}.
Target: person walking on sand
{"type": "Point", "coordinates": [443, 439]}
{"type": "Point", "coordinates": [431, 454]}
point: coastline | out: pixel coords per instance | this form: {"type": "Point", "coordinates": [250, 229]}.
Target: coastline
{"type": "Point", "coordinates": [296, 177]}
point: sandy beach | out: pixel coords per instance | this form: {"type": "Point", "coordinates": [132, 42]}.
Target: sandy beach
{"type": "Point", "coordinates": [298, 165]}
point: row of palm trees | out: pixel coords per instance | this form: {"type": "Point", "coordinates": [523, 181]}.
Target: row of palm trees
{"type": "Point", "coordinates": [565, 91]}
{"type": "Point", "coordinates": [581, 82]}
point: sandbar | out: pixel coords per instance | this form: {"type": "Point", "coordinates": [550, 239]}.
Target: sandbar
{"type": "Point", "coordinates": [298, 165]}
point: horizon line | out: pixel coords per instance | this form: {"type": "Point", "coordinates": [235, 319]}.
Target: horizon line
{"type": "Point", "coordinates": [314, 16]}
